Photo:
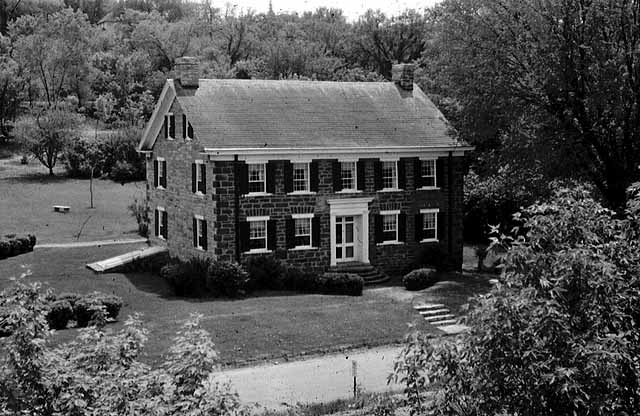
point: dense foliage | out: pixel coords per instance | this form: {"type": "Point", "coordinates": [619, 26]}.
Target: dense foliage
{"type": "Point", "coordinates": [558, 335]}
{"type": "Point", "coordinates": [420, 279]}
{"type": "Point", "coordinates": [12, 245]}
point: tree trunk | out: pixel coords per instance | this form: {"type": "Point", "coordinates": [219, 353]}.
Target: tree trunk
{"type": "Point", "coordinates": [91, 187]}
{"type": "Point", "coordinates": [50, 170]}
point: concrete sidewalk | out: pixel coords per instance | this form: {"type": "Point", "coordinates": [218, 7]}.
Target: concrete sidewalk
{"type": "Point", "coordinates": [92, 243]}
{"type": "Point", "coordinates": [315, 380]}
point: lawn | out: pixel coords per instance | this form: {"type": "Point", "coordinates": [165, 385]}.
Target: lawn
{"type": "Point", "coordinates": [27, 194]}
{"type": "Point", "coordinates": [274, 325]}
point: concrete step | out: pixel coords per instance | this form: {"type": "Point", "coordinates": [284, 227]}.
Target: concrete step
{"type": "Point", "coordinates": [428, 306]}
{"type": "Point", "coordinates": [438, 317]}
{"type": "Point", "coordinates": [444, 322]}
{"type": "Point", "coordinates": [377, 281]}
{"type": "Point", "coordinates": [432, 312]}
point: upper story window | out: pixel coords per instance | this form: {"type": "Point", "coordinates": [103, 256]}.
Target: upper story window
{"type": "Point", "coordinates": [257, 177]}
{"type": "Point", "coordinates": [300, 177]}
{"type": "Point", "coordinates": [160, 173]}
{"type": "Point", "coordinates": [348, 175]}
{"type": "Point", "coordinates": [199, 177]}
{"type": "Point", "coordinates": [169, 126]}
{"type": "Point", "coordinates": [390, 175]}
{"type": "Point", "coordinates": [428, 173]}
{"type": "Point", "coordinates": [187, 129]}
{"type": "Point", "coordinates": [199, 232]}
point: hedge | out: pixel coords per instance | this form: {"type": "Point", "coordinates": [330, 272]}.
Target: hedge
{"type": "Point", "coordinates": [12, 245]}
{"type": "Point", "coordinates": [420, 279]}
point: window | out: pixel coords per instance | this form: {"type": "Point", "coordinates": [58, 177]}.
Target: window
{"type": "Point", "coordinates": [161, 173]}
{"type": "Point", "coordinates": [348, 174]}
{"type": "Point", "coordinates": [257, 177]}
{"type": "Point", "coordinates": [300, 177]}
{"type": "Point", "coordinates": [302, 232]}
{"type": "Point", "coordinates": [429, 224]}
{"type": "Point", "coordinates": [161, 223]}
{"type": "Point", "coordinates": [428, 173]}
{"type": "Point", "coordinates": [390, 227]}
{"type": "Point", "coordinates": [198, 184]}
{"type": "Point", "coordinates": [169, 126]}
{"type": "Point", "coordinates": [390, 175]}
{"type": "Point", "coordinates": [257, 234]}
{"type": "Point", "coordinates": [187, 129]}
{"type": "Point", "coordinates": [199, 232]}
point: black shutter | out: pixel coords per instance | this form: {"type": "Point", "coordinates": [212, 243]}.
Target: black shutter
{"type": "Point", "coordinates": [243, 236]}
{"type": "Point", "coordinates": [377, 175]}
{"type": "Point", "coordinates": [195, 232]}
{"type": "Point", "coordinates": [440, 173]}
{"type": "Point", "coordinates": [184, 126]}
{"type": "Point", "coordinates": [172, 127]}
{"type": "Point", "coordinates": [205, 242]}
{"type": "Point", "coordinates": [272, 237]}
{"type": "Point", "coordinates": [402, 174]}
{"type": "Point", "coordinates": [203, 176]}
{"type": "Point", "coordinates": [190, 131]}
{"type": "Point", "coordinates": [402, 227]}
{"type": "Point", "coordinates": [165, 223]}
{"type": "Point", "coordinates": [360, 168]}
{"type": "Point", "coordinates": [290, 232]}
{"type": "Point", "coordinates": [242, 172]}
{"type": "Point", "coordinates": [379, 236]}
{"type": "Point", "coordinates": [417, 174]}
{"type": "Point", "coordinates": [440, 218]}
{"type": "Point", "coordinates": [418, 226]}
{"type": "Point", "coordinates": [337, 176]}
{"type": "Point", "coordinates": [288, 176]}
{"type": "Point", "coordinates": [194, 176]}
{"type": "Point", "coordinates": [166, 127]}
{"type": "Point", "coordinates": [164, 174]}
{"type": "Point", "coordinates": [271, 177]}
{"type": "Point", "coordinates": [157, 224]}
{"type": "Point", "coordinates": [155, 173]}
{"type": "Point", "coordinates": [313, 176]}
{"type": "Point", "coordinates": [315, 232]}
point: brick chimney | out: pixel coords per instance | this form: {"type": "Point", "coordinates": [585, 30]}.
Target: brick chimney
{"type": "Point", "coordinates": [187, 71]}
{"type": "Point", "coordinates": [402, 75]}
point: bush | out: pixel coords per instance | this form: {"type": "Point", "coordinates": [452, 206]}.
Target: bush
{"type": "Point", "coordinates": [72, 298]}
{"type": "Point", "coordinates": [111, 303]}
{"type": "Point", "coordinates": [187, 278]}
{"type": "Point", "coordinates": [431, 256]}
{"type": "Point", "coordinates": [265, 272]}
{"type": "Point", "coordinates": [227, 278]}
{"type": "Point", "coordinates": [124, 172]}
{"type": "Point", "coordinates": [60, 314]}
{"type": "Point", "coordinates": [77, 159]}
{"type": "Point", "coordinates": [420, 279]}
{"type": "Point", "coordinates": [32, 240]}
{"type": "Point", "coordinates": [140, 211]}
{"type": "Point", "coordinates": [88, 311]}
{"type": "Point", "coordinates": [12, 245]}
{"type": "Point", "coordinates": [5, 249]}
{"type": "Point", "coordinates": [121, 147]}
{"type": "Point", "coordinates": [343, 284]}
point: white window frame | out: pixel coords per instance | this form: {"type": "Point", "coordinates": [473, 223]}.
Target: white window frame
{"type": "Point", "coordinates": [435, 174]}
{"type": "Point", "coordinates": [430, 211]}
{"type": "Point", "coordinates": [264, 179]}
{"type": "Point", "coordinates": [167, 117]}
{"type": "Point", "coordinates": [395, 177]}
{"type": "Point", "coordinates": [162, 212]}
{"type": "Point", "coordinates": [161, 161]}
{"type": "Point", "coordinates": [199, 163]}
{"type": "Point", "coordinates": [307, 171]}
{"type": "Point", "coordinates": [355, 176]}
{"type": "Point", "coordinates": [395, 213]}
{"type": "Point", "coordinates": [199, 223]}
{"type": "Point", "coordinates": [295, 234]}
{"type": "Point", "coordinates": [265, 220]}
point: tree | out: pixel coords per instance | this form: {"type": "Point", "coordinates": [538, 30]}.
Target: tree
{"type": "Point", "coordinates": [47, 134]}
{"type": "Point", "coordinates": [558, 335]}
{"type": "Point", "coordinates": [11, 86]}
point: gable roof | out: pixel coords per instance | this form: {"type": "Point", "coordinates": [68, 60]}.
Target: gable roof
{"type": "Point", "coordinates": [271, 114]}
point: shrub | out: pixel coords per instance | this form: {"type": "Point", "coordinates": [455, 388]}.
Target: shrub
{"type": "Point", "coordinates": [13, 245]}
{"type": "Point", "coordinates": [32, 240]}
{"type": "Point", "coordinates": [88, 311]}
{"type": "Point", "coordinates": [5, 249]}
{"type": "Point", "coordinates": [124, 172]}
{"type": "Point", "coordinates": [227, 278]}
{"type": "Point", "coordinates": [187, 278]}
{"type": "Point", "coordinates": [140, 211]}
{"type": "Point", "coordinates": [78, 158]}
{"type": "Point", "coordinates": [343, 284]}
{"type": "Point", "coordinates": [60, 314]}
{"type": "Point", "coordinates": [265, 272]}
{"type": "Point", "coordinates": [302, 281]}
{"type": "Point", "coordinates": [111, 303]}
{"type": "Point", "coordinates": [72, 298]}
{"type": "Point", "coordinates": [420, 279]}
{"type": "Point", "coordinates": [121, 147]}
{"type": "Point", "coordinates": [25, 244]}
{"type": "Point", "coordinates": [430, 255]}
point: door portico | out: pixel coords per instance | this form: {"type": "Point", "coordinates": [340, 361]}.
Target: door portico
{"type": "Point", "coordinates": [349, 224]}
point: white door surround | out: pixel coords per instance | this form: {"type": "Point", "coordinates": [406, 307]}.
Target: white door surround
{"type": "Point", "coordinates": [359, 209]}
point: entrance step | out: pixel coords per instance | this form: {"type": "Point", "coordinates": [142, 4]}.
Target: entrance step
{"type": "Point", "coordinates": [454, 329]}
{"type": "Point", "coordinates": [369, 273]}
{"type": "Point", "coordinates": [444, 322]}
{"type": "Point", "coordinates": [428, 306]}
{"type": "Point", "coordinates": [434, 312]}
{"type": "Point", "coordinates": [438, 317]}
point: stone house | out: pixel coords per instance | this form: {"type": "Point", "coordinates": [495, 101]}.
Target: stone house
{"type": "Point", "coordinates": [323, 175]}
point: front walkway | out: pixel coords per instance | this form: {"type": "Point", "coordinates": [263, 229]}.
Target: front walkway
{"type": "Point", "coordinates": [92, 243]}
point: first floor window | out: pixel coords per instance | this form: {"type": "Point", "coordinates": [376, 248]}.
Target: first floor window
{"type": "Point", "coordinates": [257, 177]}
{"type": "Point", "coordinates": [199, 233]}
{"type": "Point", "coordinates": [428, 173]}
{"type": "Point", "coordinates": [348, 175]}
{"type": "Point", "coordinates": [390, 175]}
{"type": "Point", "coordinates": [258, 234]}
{"type": "Point", "coordinates": [300, 177]}
{"type": "Point", "coordinates": [169, 126]}
{"type": "Point", "coordinates": [302, 232]}
{"type": "Point", "coordinates": [429, 225]}
{"type": "Point", "coordinates": [161, 223]}
{"type": "Point", "coordinates": [390, 227]}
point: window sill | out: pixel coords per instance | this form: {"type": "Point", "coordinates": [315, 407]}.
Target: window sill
{"type": "Point", "coordinates": [200, 249]}
{"type": "Point", "coordinates": [390, 190]}
{"type": "Point", "coordinates": [200, 194]}
{"type": "Point", "coordinates": [301, 193]}
{"type": "Point", "coordinates": [162, 188]}
{"type": "Point", "coordinates": [429, 240]}
{"type": "Point", "coordinates": [390, 243]}
{"type": "Point", "coordinates": [303, 248]}
{"type": "Point", "coordinates": [258, 251]}
{"type": "Point", "coordinates": [252, 194]}
{"type": "Point", "coordinates": [349, 191]}
{"type": "Point", "coordinates": [429, 188]}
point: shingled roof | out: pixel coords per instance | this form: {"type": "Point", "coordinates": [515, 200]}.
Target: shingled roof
{"type": "Point", "coordinates": [301, 114]}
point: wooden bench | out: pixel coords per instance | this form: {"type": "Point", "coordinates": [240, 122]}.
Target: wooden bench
{"type": "Point", "coordinates": [61, 208]}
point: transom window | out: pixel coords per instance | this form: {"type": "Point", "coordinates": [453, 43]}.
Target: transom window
{"type": "Point", "coordinates": [429, 173]}
{"type": "Point", "coordinates": [302, 232]}
{"type": "Point", "coordinates": [429, 224]}
{"type": "Point", "coordinates": [390, 227]}
{"type": "Point", "coordinates": [390, 175]}
{"type": "Point", "coordinates": [257, 177]}
{"type": "Point", "coordinates": [258, 234]}
{"type": "Point", "coordinates": [348, 174]}
{"type": "Point", "coordinates": [169, 126]}
{"type": "Point", "coordinates": [300, 177]}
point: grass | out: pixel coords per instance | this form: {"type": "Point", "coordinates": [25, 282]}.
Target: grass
{"type": "Point", "coordinates": [274, 325]}
{"type": "Point", "coordinates": [27, 194]}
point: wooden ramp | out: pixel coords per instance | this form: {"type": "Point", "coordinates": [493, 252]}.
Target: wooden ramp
{"type": "Point", "coordinates": [117, 261]}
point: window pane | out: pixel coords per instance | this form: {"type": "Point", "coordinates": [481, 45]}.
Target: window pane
{"type": "Point", "coordinates": [348, 233]}
{"type": "Point", "coordinates": [256, 177]}
{"type": "Point", "coordinates": [348, 172]}
{"type": "Point", "coordinates": [303, 226]}
{"type": "Point", "coordinates": [389, 175]}
{"type": "Point", "coordinates": [389, 227]}
{"type": "Point", "coordinates": [348, 252]}
{"type": "Point", "coordinates": [429, 172]}
{"type": "Point", "coordinates": [339, 233]}
{"type": "Point", "coordinates": [338, 252]}
{"type": "Point", "coordinates": [429, 225]}
{"type": "Point", "coordinates": [300, 176]}
{"type": "Point", "coordinates": [303, 241]}
{"type": "Point", "coordinates": [257, 234]}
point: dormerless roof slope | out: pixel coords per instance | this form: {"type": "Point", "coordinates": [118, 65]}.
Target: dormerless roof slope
{"type": "Point", "coordinates": [291, 114]}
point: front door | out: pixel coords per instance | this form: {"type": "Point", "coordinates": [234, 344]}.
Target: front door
{"type": "Point", "coordinates": [345, 246]}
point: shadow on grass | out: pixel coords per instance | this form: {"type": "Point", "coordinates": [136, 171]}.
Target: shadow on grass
{"type": "Point", "coordinates": [43, 178]}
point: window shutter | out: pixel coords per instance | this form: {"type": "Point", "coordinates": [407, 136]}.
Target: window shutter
{"type": "Point", "coordinates": [205, 242]}
{"type": "Point", "coordinates": [337, 177]}
{"type": "Point", "coordinates": [360, 168]}
{"type": "Point", "coordinates": [184, 126]}
{"type": "Point", "coordinates": [155, 173]}
{"type": "Point", "coordinates": [271, 177]}
{"type": "Point", "coordinates": [242, 172]}
{"type": "Point", "coordinates": [157, 224]}
{"type": "Point", "coordinates": [243, 236]}
{"type": "Point", "coordinates": [402, 227]}
{"type": "Point", "coordinates": [417, 174]}
{"type": "Point", "coordinates": [315, 232]}
{"type": "Point", "coordinates": [378, 228]}
{"type": "Point", "coordinates": [203, 175]}
{"type": "Point", "coordinates": [195, 232]}
{"type": "Point", "coordinates": [193, 177]}
{"type": "Point", "coordinates": [288, 176]}
{"type": "Point", "coordinates": [190, 130]}
{"type": "Point", "coordinates": [441, 220]}
{"type": "Point", "coordinates": [440, 173]}
{"type": "Point", "coordinates": [165, 223]}
{"type": "Point", "coordinates": [164, 174]}
{"type": "Point", "coordinates": [377, 175]}
{"type": "Point", "coordinates": [272, 237]}
{"type": "Point", "coordinates": [172, 127]}
{"type": "Point", "coordinates": [402, 174]}
{"type": "Point", "coordinates": [166, 127]}
{"type": "Point", "coordinates": [290, 232]}
{"type": "Point", "coordinates": [313, 176]}
{"type": "Point", "coordinates": [418, 227]}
